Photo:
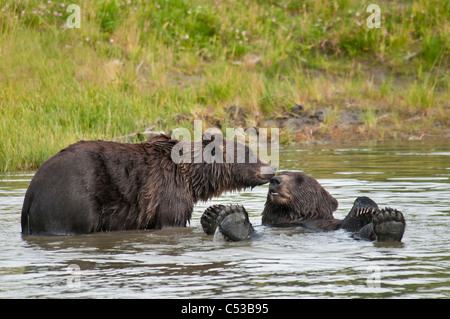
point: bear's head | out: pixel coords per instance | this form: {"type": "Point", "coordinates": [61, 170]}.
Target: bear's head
{"type": "Point", "coordinates": [215, 165]}
{"type": "Point", "coordinates": [295, 196]}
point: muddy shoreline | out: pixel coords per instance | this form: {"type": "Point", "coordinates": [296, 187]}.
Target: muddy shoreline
{"type": "Point", "coordinates": [299, 125]}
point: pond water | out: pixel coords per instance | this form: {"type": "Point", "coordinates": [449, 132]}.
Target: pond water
{"type": "Point", "coordinates": [413, 177]}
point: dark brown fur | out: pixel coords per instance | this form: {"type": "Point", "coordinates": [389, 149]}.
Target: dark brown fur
{"type": "Point", "coordinates": [295, 198]}
{"type": "Point", "coordinates": [106, 186]}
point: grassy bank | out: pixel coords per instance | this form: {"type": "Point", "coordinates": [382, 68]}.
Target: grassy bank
{"type": "Point", "coordinates": [136, 63]}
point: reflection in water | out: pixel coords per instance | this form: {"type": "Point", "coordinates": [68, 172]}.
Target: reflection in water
{"type": "Point", "coordinates": [291, 262]}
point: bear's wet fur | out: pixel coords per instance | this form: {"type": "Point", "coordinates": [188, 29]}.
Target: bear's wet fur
{"type": "Point", "coordinates": [94, 186]}
{"type": "Point", "coordinates": [296, 199]}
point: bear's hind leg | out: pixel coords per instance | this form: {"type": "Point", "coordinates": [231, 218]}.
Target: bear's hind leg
{"type": "Point", "coordinates": [235, 226]}
{"type": "Point", "coordinates": [232, 221]}
{"type": "Point", "coordinates": [389, 225]}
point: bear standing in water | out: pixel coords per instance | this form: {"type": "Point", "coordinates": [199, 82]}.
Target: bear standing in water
{"type": "Point", "coordinates": [106, 186]}
{"type": "Point", "coordinates": [296, 199]}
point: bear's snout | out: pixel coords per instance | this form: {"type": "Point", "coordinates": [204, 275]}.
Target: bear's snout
{"type": "Point", "coordinates": [276, 187]}
{"type": "Point", "coordinates": [276, 180]}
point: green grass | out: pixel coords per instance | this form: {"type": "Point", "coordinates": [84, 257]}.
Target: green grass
{"type": "Point", "coordinates": [136, 63]}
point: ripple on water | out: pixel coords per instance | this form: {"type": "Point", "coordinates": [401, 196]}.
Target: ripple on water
{"type": "Point", "coordinates": [289, 263]}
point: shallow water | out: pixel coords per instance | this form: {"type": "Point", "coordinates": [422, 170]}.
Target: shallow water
{"type": "Point", "coordinates": [282, 263]}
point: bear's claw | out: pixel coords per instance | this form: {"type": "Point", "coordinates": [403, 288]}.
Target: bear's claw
{"type": "Point", "coordinates": [364, 209]}
{"type": "Point", "coordinates": [209, 219]}
{"type": "Point", "coordinates": [361, 214]}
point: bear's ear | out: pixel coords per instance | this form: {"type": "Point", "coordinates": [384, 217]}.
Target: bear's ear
{"type": "Point", "coordinates": [330, 204]}
{"type": "Point", "coordinates": [334, 203]}
{"type": "Point", "coordinates": [299, 178]}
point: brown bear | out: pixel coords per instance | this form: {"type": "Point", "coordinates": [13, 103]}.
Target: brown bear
{"type": "Point", "coordinates": [94, 186]}
{"type": "Point", "coordinates": [296, 199]}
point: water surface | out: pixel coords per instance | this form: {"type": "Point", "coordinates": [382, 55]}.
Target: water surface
{"type": "Point", "coordinates": [283, 263]}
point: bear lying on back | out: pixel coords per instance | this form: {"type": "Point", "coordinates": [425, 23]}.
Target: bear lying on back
{"type": "Point", "coordinates": [106, 186]}
{"type": "Point", "coordinates": [296, 199]}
